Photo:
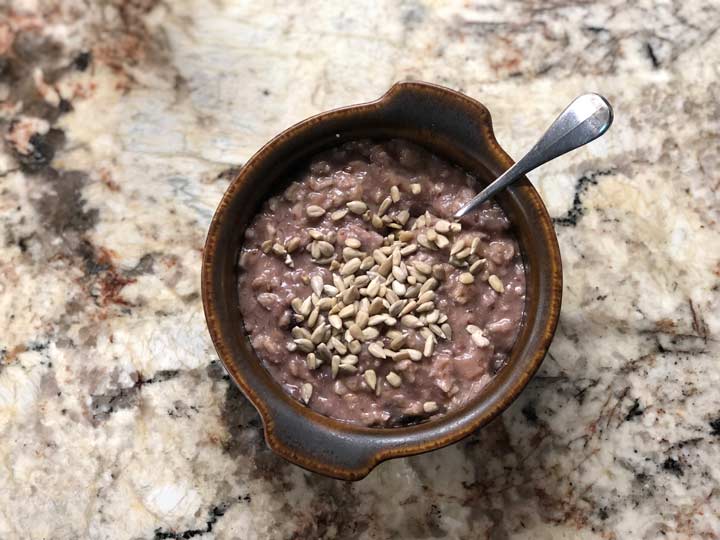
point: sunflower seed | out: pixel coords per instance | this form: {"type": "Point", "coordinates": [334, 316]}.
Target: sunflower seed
{"type": "Point", "coordinates": [390, 296]}
{"type": "Point", "coordinates": [466, 278]}
{"type": "Point", "coordinates": [377, 350]}
{"type": "Point", "coordinates": [334, 365]}
{"type": "Point", "coordinates": [347, 311]}
{"type": "Point", "coordinates": [351, 359]}
{"type": "Point", "coordinates": [292, 346]}
{"type": "Point", "coordinates": [315, 211]}
{"type": "Point", "coordinates": [398, 288]}
{"type": "Point", "coordinates": [337, 215]}
{"type": "Point", "coordinates": [399, 272]}
{"type": "Point", "coordinates": [397, 342]}
{"type": "Point", "coordinates": [385, 267]}
{"type": "Point", "coordinates": [305, 307]}
{"type": "Point", "coordinates": [435, 329]}
{"type": "Point", "coordinates": [395, 308]}
{"type": "Point", "coordinates": [411, 305]}
{"type": "Point", "coordinates": [394, 193]}
{"type": "Point", "coordinates": [322, 351]}
{"type": "Point", "coordinates": [306, 392]}
{"type": "Point", "coordinates": [442, 226]}
{"type": "Point", "coordinates": [480, 340]}
{"type": "Point", "coordinates": [411, 321]}
{"type": "Point", "coordinates": [279, 249]}
{"type": "Point", "coordinates": [376, 306]}
{"type": "Point", "coordinates": [447, 330]}
{"type": "Point", "coordinates": [427, 296]}
{"type": "Point", "coordinates": [425, 307]}
{"type": "Point", "coordinates": [430, 407]}
{"type": "Point", "coordinates": [355, 331]}
{"type": "Point", "coordinates": [350, 267]}
{"type": "Point", "coordinates": [338, 345]}
{"type": "Point", "coordinates": [475, 267]}
{"type": "Point", "coordinates": [313, 317]}
{"type": "Point", "coordinates": [496, 284]}
{"type": "Point", "coordinates": [393, 379]}
{"type": "Point", "coordinates": [370, 378]}
{"type": "Point", "coordinates": [408, 250]}
{"type": "Point", "coordinates": [405, 236]}
{"type": "Point", "coordinates": [384, 206]}
{"type": "Point", "coordinates": [457, 247]}
{"type": "Point", "coordinates": [370, 333]}
{"type": "Point", "coordinates": [266, 246]}
{"type": "Point", "coordinates": [415, 189]}
{"type": "Point", "coordinates": [338, 282]}
{"type": "Point", "coordinates": [415, 355]}
{"type": "Point", "coordinates": [433, 316]}
{"type": "Point", "coordinates": [377, 319]}
{"type": "Point", "coordinates": [350, 253]}
{"type": "Point", "coordinates": [355, 346]}
{"type": "Point", "coordinates": [311, 361]}
{"type": "Point", "coordinates": [361, 319]}
{"type": "Point", "coordinates": [357, 207]}
{"type": "Point", "coordinates": [423, 241]}
{"type": "Point", "coordinates": [429, 347]}
{"type": "Point", "coordinates": [316, 284]}
{"type": "Point", "coordinates": [377, 222]}
{"type": "Point", "coordinates": [348, 368]}
{"type": "Point", "coordinates": [373, 287]}
{"type": "Point", "coordinates": [326, 248]}
{"type": "Point", "coordinates": [353, 243]}
{"type": "Point", "coordinates": [335, 321]}
{"type": "Point", "coordinates": [305, 345]}
{"type": "Point", "coordinates": [367, 263]}
{"type": "Point", "coordinates": [292, 244]}
{"type": "Point", "coordinates": [330, 290]}
{"type": "Point", "coordinates": [429, 285]}
{"type": "Point", "coordinates": [422, 267]}
{"type": "Point", "coordinates": [426, 332]}
{"type": "Point", "coordinates": [299, 332]}
{"type": "Point", "coordinates": [442, 241]}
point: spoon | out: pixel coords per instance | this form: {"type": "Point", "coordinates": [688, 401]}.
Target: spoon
{"type": "Point", "coordinates": [583, 121]}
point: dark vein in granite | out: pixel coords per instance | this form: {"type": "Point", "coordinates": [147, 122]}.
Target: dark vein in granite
{"type": "Point", "coordinates": [577, 210]}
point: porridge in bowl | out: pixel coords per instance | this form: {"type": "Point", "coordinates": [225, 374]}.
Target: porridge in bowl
{"type": "Point", "coordinates": [364, 298]}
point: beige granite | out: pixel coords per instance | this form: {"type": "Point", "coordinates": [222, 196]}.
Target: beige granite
{"type": "Point", "coordinates": [122, 122]}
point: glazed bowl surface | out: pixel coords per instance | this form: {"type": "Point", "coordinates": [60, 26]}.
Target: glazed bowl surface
{"type": "Point", "coordinates": [456, 128]}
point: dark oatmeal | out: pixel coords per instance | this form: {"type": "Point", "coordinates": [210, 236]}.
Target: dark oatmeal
{"type": "Point", "coordinates": [366, 300]}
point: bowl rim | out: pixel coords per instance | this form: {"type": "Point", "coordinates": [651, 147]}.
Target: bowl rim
{"type": "Point", "coordinates": [272, 431]}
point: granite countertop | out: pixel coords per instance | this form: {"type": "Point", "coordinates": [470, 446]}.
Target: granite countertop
{"type": "Point", "coordinates": [122, 123]}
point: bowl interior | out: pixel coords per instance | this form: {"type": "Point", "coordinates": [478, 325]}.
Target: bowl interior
{"type": "Point", "coordinates": [462, 135]}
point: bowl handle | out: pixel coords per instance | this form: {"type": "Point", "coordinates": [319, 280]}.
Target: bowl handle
{"type": "Point", "coordinates": [302, 437]}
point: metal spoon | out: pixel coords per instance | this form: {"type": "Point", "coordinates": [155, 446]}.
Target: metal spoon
{"type": "Point", "coordinates": [584, 120]}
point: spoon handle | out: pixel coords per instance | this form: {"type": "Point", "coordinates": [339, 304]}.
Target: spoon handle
{"type": "Point", "coordinates": [584, 120]}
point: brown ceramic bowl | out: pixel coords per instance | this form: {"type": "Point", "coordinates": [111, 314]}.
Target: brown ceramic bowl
{"type": "Point", "coordinates": [452, 126]}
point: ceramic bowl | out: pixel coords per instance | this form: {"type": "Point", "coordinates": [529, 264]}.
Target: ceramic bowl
{"type": "Point", "coordinates": [452, 126]}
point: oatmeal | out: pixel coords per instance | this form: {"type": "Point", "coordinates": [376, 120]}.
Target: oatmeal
{"type": "Point", "coordinates": [364, 298]}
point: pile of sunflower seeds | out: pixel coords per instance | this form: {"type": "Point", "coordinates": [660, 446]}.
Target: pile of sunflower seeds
{"type": "Point", "coordinates": [378, 294]}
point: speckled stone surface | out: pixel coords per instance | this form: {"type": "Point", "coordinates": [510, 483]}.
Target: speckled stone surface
{"type": "Point", "coordinates": [121, 124]}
